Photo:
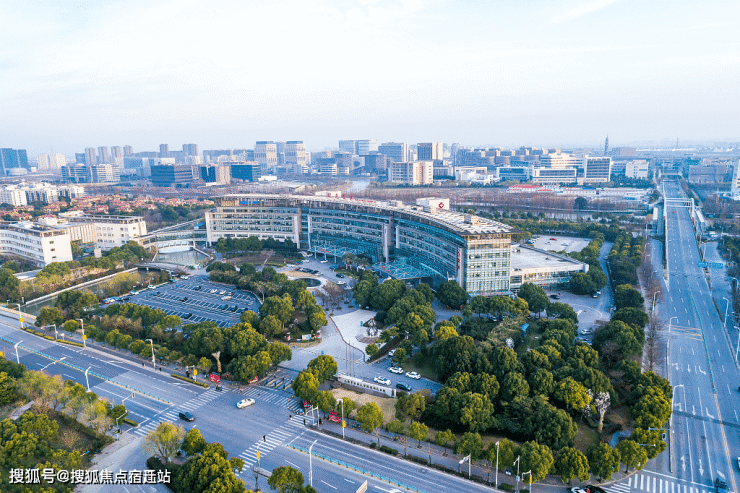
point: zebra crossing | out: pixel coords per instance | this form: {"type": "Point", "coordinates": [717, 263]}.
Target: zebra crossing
{"type": "Point", "coordinates": [652, 484]}
{"type": "Point", "coordinates": [171, 414]}
{"type": "Point", "coordinates": [267, 395]}
{"type": "Point", "coordinates": [277, 437]}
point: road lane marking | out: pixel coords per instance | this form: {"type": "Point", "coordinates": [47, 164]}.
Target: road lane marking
{"type": "Point", "coordinates": [327, 484]}
{"type": "Point", "coordinates": [297, 467]}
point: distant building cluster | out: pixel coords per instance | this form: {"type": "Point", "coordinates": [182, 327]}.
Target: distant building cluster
{"type": "Point", "coordinates": [24, 194]}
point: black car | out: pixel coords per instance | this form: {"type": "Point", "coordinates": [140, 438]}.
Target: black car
{"type": "Point", "coordinates": [340, 276]}
{"type": "Point", "coordinates": [186, 416]}
{"type": "Point", "coordinates": [198, 288]}
{"type": "Point", "coordinates": [126, 298]}
{"type": "Point", "coordinates": [233, 308]}
{"type": "Point", "coordinates": [555, 296]}
{"type": "Point", "coordinates": [223, 307]}
{"type": "Point", "coordinates": [403, 386]}
{"type": "Point", "coordinates": [187, 316]}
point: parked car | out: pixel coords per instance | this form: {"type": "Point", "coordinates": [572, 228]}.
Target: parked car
{"type": "Point", "coordinates": [186, 416]}
{"type": "Point", "coordinates": [340, 276]}
{"type": "Point", "coordinates": [403, 386]}
{"type": "Point", "coordinates": [414, 375]}
{"type": "Point", "coordinates": [324, 261]}
{"type": "Point", "coordinates": [576, 489]}
{"type": "Point", "coordinates": [396, 369]}
{"type": "Point", "coordinates": [187, 316]}
{"type": "Point", "coordinates": [391, 352]}
{"type": "Point", "coordinates": [334, 416]}
{"type": "Point", "coordinates": [720, 485]}
{"type": "Point", "coordinates": [382, 380]}
{"type": "Point", "coordinates": [555, 296]}
{"type": "Point", "coordinates": [244, 403]}
{"type": "Point", "coordinates": [222, 292]}
{"type": "Point", "coordinates": [198, 288]}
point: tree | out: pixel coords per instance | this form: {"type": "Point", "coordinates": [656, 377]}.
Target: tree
{"type": "Point", "coordinates": [571, 463]}
{"type": "Point", "coordinates": [631, 315]}
{"type": "Point", "coordinates": [604, 460]}
{"type": "Point", "coordinates": [7, 389]}
{"type": "Point", "coordinates": [418, 431]}
{"type": "Point", "coordinates": [285, 479]}
{"type": "Point", "coordinates": [396, 426]}
{"type": "Point", "coordinates": [210, 471]}
{"type": "Point", "coordinates": [372, 349]}
{"type": "Point", "coordinates": [542, 382]}
{"type": "Point", "coordinates": [164, 441]}
{"type": "Point", "coordinates": [514, 385]}
{"type": "Point", "coordinates": [8, 284]}
{"type": "Point", "coordinates": [535, 297]}
{"type": "Point", "coordinates": [271, 326]}
{"type": "Point", "coordinates": [553, 427]}
{"type": "Point", "coordinates": [652, 438]}
{"type": "Point", "coordinates": [632, 454]}
{"type": "Point", "coordinates": [476, 412]}
{"type": "Point", "coordinates": [479, 305]}
{"type": "Point", "coordinates": [506, 453]}
{"type": "Point", "coordinates": [536, 458]}
{"type": "Point", "coordinates": [442, 438]}
{"type": "Point", "coordinates": [326, 401]}
{"type": "Point", "coordinates": [451, 294]}
{"type": "Point", "coordinates": [581, 283]}
{"type": "Point", "coordinates": [601, 401]}
{"type": "Point", "coordinates": [71, 325]}
{"type": "Point", "coordinates": [305, 386]}
{"type": "Point", "coordinates": [581, 203]}
{"type": "Point", "coordinates": [626, 296]}
{"type": "Point", "coordinates": [370, 417]}
{"type": "Point", "coordinates": [470, 444]}
{"type": "Point", "coordinates": [562, 310]}
{"type": "Point", "coordinates": [410, 406]}
{"type": "Point", "coordinates": [400, 355]}
{"type": "Point", "coordinates": [652, 410]}
{"type": "Point", "coordinates": [324, 367]}
{"type": "Point", "coordinates": [48, 316]}
{"type": "Point", "coordinates": [194, 442]}
{"type": "Point", "coordinates": [348, 406]}
{"type": "Point", "coordinates": [204, 364]}
{"type": "Point", "coordinates": [572, 393]}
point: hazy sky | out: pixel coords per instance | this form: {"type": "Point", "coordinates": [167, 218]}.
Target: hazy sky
{"type": "Point", "coordinates": [223, 73]}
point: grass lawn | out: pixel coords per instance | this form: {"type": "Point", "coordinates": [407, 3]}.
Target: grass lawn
{"type": "Point", "coordinates": [586, 436]}
{"type": "Point", "coordinates": [421, 365]}
{"type": "Point", "coordinates": [347, 273]}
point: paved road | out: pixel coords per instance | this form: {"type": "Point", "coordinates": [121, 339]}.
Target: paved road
{"type": "Point", "coordinates": [706, 425]}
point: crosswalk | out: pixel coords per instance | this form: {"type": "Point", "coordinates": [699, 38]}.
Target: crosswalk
{"type": "Point", "coordinates": [278, 436]}
{"type": "Point", "coordinates": [171, 415]}
{"type": "Point", "coordinates": [274, 397]}
{"type": "Point", "coordinates": [652, 484]}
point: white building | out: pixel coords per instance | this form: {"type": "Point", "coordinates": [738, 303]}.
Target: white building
{"type": "Point", "coordinates": [13, 195]}
{"type": "Point", "coordinates": [51, 161]}
{"type": "Point", "coordinates": [295, 154]}
{"type": "Point", "coordinates": [110, 231]}
{"type": "Point", "coordinates": [542, 268]}
{"type": "Point", "coordinates": [265, 153]}
{"type": "Point", "coordinates": [637, 169]}
{"type": "Point", "coordinates": [35, 242]}
{"type": "Point", "coordinates": [412, 173]}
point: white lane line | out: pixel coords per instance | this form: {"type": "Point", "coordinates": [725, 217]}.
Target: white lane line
{"type": "Point", "coordinates": [327, 484]}
{"type": "Point", "coordinates": [297, 467]}
{"type": "Point", "coordinates": [349, 480]}
{"type": "Point", "coordinates": [68, 376]}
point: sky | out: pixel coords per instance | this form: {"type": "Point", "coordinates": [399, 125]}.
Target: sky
{"type": "Point", "coordinates": [224, 74]}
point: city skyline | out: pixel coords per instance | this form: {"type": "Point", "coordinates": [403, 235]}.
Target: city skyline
{"type": "Point", "coordinates": [546, 74]}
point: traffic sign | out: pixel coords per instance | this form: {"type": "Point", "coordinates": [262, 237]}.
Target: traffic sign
{"type": "Point", "coordinates": [344, 424]}
{"type": "Point", "coordinates": [195, 372]}
{"type": "Point", "coordinates": [717, 265]}
{"type": "Point", "coordinates": [21, 320]}
{"type": "Point", "coordinates": [702, 264]}
{"type": "Point", "coordinates": [258, 455]}
{"type": "Point", "coordinates": [84, 337]}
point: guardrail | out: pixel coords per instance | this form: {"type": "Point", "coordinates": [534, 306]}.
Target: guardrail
{"type": "Point", "coordinates": [355, 468]}
{"type": "Point", "coordinates": [95, 374]}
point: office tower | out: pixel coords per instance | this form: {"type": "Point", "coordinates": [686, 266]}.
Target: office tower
{"type": "Point", "coordinates": [413, 173]}
{"type": "Point", "coordinates": [127, 151]}
{"type": "Point", "coordinates": [365, 147]}
{"type": "Point", "coordinates": [295, 155]}
{"type": "Point", "coordinates": [265, 153]}
{"type": "Point", "coordinates": [399, 152]}
{"type": "Point", "coordinates": [280, 147]}
{"type": "Point", "coordinates": [347, 146]}
{"type": "Point", "coordinates": [735, 187]}
{"type": "Point", "coordinates": [80, 157]}
{"type": "Point", "coordinates": [429, 151]}
{"type": "Point", "coordinates": [116, 152]}
{"type": "Point", "coordinates": [249, 171]}
{"type": "Point", "coordinates": [90, 156]}
{"type": "Point", "coordinates": [103, 155]}
{"type": "Point", "coordinates": [606, 145]}
{"type": "Point", "coordinates": [51, 161]}
{"type": "Point", "coordinates": [597, 169]}
{"type": "Point", "coordinates": [74, 173]}
{"type": "Point", "coordinates": [103, 173]}
{"type": "Point", "coordinates": [375, 163]}
{"type": "Point", "coordinates": [164, 150]}
{"type": "Point", "coordinates": [167, 175]}
{"type": "Point", "coordinates": [218, 174]}
{"type": "Point", "coordinates": [190, 149]}
{"type": "Point", "coordinates": [10, 159]}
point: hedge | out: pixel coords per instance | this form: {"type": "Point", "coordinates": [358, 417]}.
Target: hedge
{"type": "Point", "coordinates": [50, 338]}
{"type": "Point", "coordinates": [186, 379]}
{"type": "Point", "coordinates": [388, 450]}
{"type": "Point", "coordinates": [130, 422]}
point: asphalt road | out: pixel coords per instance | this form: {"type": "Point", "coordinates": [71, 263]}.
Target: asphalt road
{"type": "Point", "coordinates": [705, 426]}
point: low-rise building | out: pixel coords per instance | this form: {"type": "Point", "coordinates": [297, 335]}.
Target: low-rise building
{"type": "Point", "coordinates": [110, 231]}
{"type": "Point", "coordinates": [36, 242]}
{"type": "Point", "coordinates": [637, 169]}
{"type": "Point", "coordinates": [542, 268]}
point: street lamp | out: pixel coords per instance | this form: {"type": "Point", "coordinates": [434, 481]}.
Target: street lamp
{"type": "Point", "coordinates": [467, 458]}
{"type": "Point", "coordinates": [82, 327]}
{"type": "Point", "coordinates": [654, 295]}
{"type": "Point", "coordinates": [497, 443]}
{"type": "Point", "coordinates": [86, 380]}
{"type": "Point", "coordinates": [55, 361]}
{"type": "Point", "coordinates": [342, 401]}
{"type": "Point", "coordinates": [119, 429]}
{"type": "Point", "coordinates": [124, 412]}
{"type": "Point", "coordinates": [517, 473]}
{"type": "Point", "coordinates": [530, 479]}
{"type": "Point", "coordinates": [738, 343]}
{"type": "Point", "coordinates": [727, 306]}
{"type": "Point", "coordinates": [17, 359]}
{"type": "Point", "coordinates": [310, 464]}
{"type": "Point", "coordinates": [154, 363]}
{"type": "Point", "coordinates": [669, 323]}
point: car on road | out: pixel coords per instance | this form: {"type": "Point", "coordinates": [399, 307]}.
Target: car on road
{"type": "Point", "coordinates": [555, 296]}
{"type": "Point", "coordinates": [738, 462]}
{"type": "Point", "coordinates": [396, 369]}
{"type": "Point", "coordinates": [340, 276]}
{"type": "Point", "coordinates": [391, 352]}
{"type": "Point", "coordinates": [244, 403]}
{"type": "Point", "coordinates": [152, 287]}
{"type": "Point", "coordinates": [403, 386]}
{"type": "Point", "coordinates": [187, 316]}
{"type": "Point", "coordinates": [382, 380]}
{"type": "Point", "coordinates": [594, 295]}
{"type": "Point", "coordinates": [576, 489]}
{"type": "Point", "coordinates": [134, 292]}
{"type": "Point", "coordinates": [186, 416]}
{"type": "Point", "coordinates": [598, 292]}
{"type": "Point", "coordinates": [595, 489]}
{"type": "Point", "coordinates": [720, 485]}
{"type": "Point", "coordinates": [233, 308]}
{"type": "Point", "coordinates": [324, 261]}
{"type": "Point", "coordinates": [413, 374]}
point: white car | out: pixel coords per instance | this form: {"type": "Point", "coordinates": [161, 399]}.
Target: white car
{"type": "Point", "coordinates": [413, 374]}
{"type": "Point", "coordinates": [396, 369]}
{"type": "Point", "coordinates": [244, 403]}
{"type": "Point", "coordinates": [324, 261]}
{"type": "Point", "coordinates": [391, 352]}
{"type": "Point", "coordinates": [382, 380]}
{"type": "Point", "coordinates": [576, 489]}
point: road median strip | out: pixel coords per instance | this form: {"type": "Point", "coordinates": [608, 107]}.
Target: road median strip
{"type": "Point", "coordinates": [189, 380]}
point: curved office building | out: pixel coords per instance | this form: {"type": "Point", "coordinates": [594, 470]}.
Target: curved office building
{"type": "Point", "coordinates": [421, 241]}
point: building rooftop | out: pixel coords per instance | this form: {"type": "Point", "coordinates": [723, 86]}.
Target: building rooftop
{"type": "Point", "coordinates": [524, 257]}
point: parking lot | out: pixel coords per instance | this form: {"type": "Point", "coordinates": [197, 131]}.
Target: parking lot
{"type": "Point", "coordinates": [197, 299]}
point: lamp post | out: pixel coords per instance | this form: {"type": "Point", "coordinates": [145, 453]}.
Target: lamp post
{"type": "Point", "coordinates": [310, 464]}
{"type": "Point", "coordinates": [517, 473]}
{"type": "Point", "coordinates": [86, 379]}
{"type": "Point", "coordinates": [56, 335]}
{"type": "Point", "coordinates": [497, 443]}
{"type": "Point", "coordinates": [117, 426]}
{"type": "Point", "coordinates": [82, 327]}
{"type": "Point", "coordinates": [654, 295]}
{"type": "Point", "coordinates": [738, 343]}
{"type": "Point", "coordinates": [154, 362]}
{"type": "Point", "coordinates": [55, 361]}
{"type": "Point", "coordinates": [669, 323]}
{"type": "Point", "coordinates": [342, 401]}
{"type": "Point", "coordinates": [727, 306]}
{"type": "Point", "coordinates": [469, 459]}
{"type": "Point", "coordinates": [530, 479]}
{"type": "Point", "coordinates": [17, 359]}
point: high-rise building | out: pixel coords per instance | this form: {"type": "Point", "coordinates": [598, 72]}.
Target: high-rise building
{"type": "Point", "coordinates": [13, 159]}
{"type": "Point", "coordinates": [127, 151]}
{"type": "Point", "coordinates": [74, 173]}
{"type": "Point", "coordinates": [365, 147]}
{"type": "Point", "coordinates": [375, 163]}
{"type": "Point", "coordinates": [219, 174]}
{"type": "Point", "coordinates": [190, 149]}
{"type": "Point", "coordinates": [103, 173]}
{"type": "Point", "coordinates": [51, 161]}
{"type": "Point", "coordinates": [280, 148]}
{"type": "Point", "coordinates": [412, 173]}
{"type": "Point", "coordinates": [247, 171]}
{"type": "Point", "coordinates": [164, 150]}
{"type": "Point", "coordinates": [597, 169]}
{"type": "Point", "coordinates": [429, 151]}
{"type": "Point", "coordinates": [169, 175]}
{"type": "Point", "coordinates": [347, 146]}
{"type": "Point", "coordinates": [735, 187]}
{"type": "Point", "coordinates": [398, 151]}
{"type": "Point", "coordinates": [90, 156]}
{"type": "Point", "coordinates": [265, 153]}
{"type": "Point", "coordinates": [103, 155]}
{"type": "Point", "coordinates": [80, 157]}
{"type": "Point", "coordinates": [295, 155]}
{"type": "Point", "coordinates": [116, 152]}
